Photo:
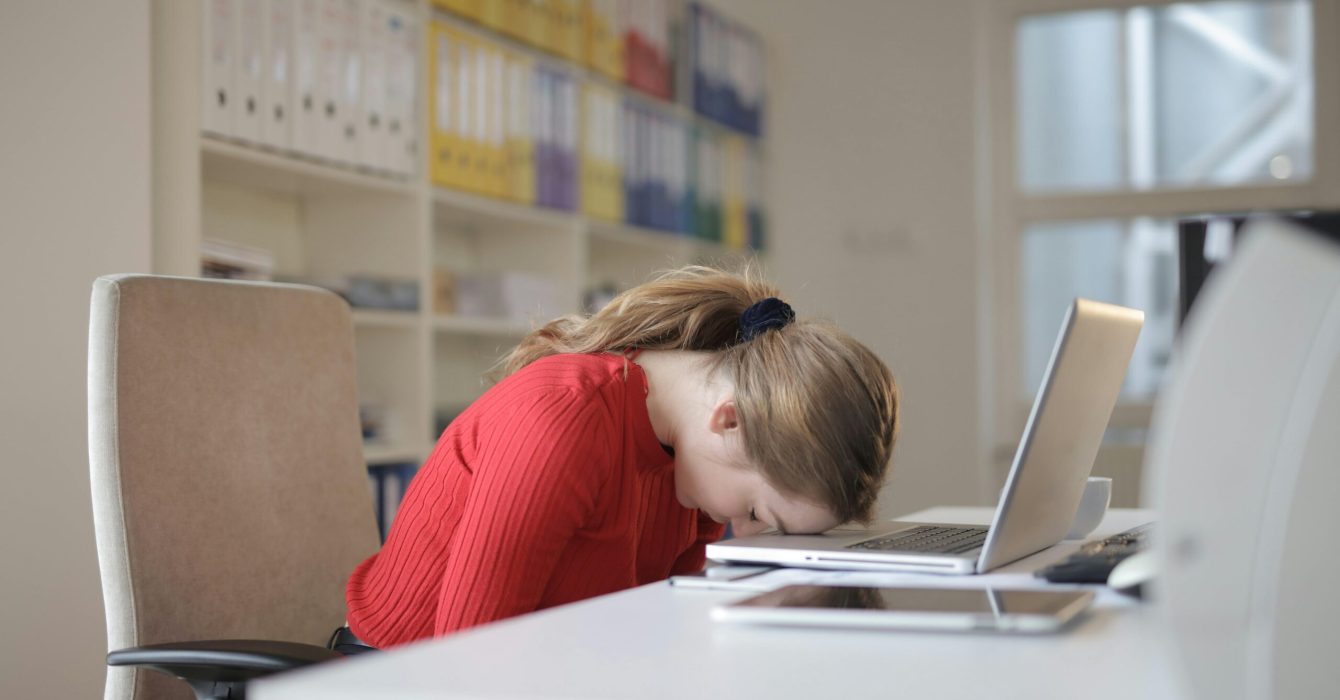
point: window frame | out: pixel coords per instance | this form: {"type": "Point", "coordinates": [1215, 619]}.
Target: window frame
{"type": "Point", "coordinates": [1006, 210]}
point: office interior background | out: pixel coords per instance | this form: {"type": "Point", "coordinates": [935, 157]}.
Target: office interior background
{"type": "Point", "coordinates": [940, 178]}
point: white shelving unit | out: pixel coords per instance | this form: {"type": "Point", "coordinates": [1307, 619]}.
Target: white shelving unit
{"type": "Point", "coordinates": [324, 221]}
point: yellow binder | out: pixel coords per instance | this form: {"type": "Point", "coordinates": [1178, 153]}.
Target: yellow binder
{"type": "Point", "coordinates": [601, 187]}
{"type": "Point", "coordinates": [567, 38]}
{"type": "Point", "coordinates": [603, 38]}
{"type": "Point", "coordinates": [469, 9]}
{"type": "Point", "coordinates": [495, 125]}
{"type": "Point", "coordinates": [443, 110]}
{"type": "Point", "coordinates": [540, 23]}
{"type": "Point", "coordinates": [493, 14]}
{"type": "Point", "coordinates": [735, 224]}
{"type": "Point", "coordinates": [520, 141]}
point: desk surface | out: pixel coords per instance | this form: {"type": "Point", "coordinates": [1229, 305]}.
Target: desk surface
{"type": "Point", "coordinates": [656, 641]}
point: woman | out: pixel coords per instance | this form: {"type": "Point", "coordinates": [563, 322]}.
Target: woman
{"type": "Point", "coordinates": [619, 445]}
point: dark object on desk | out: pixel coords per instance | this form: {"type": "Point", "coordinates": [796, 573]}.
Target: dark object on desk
{"type": "Point", "coordinates": [1094, 561]}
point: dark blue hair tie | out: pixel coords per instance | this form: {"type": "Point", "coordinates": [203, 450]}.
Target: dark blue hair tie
{"type": "Point", "coordinates": [765, 316]}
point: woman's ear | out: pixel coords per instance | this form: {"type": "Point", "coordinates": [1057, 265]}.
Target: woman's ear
{"type": "Point", "coordinates": [724, 417]}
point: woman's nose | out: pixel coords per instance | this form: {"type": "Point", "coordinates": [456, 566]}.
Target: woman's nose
{"type": "Point", "coordinates": [744, 527]}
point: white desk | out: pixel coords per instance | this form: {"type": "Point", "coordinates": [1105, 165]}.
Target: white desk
{"type": "Point", "coordinates": [658, 642]}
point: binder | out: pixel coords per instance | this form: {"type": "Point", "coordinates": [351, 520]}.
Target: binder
{"type": "Point", "coordinates": [277, 75]}
{"type": "Point", "coordinates": [516, 18]}
{"type": "Point", "coordinates": [493, 14]}
{"type": "Point", "coordinates": [611, 133]}
{"type": "Point", "coordinates": [602, 29]}
{"type": "Point", "coordinates": [677, 177]}
{"type": "Point", "coordinates": [726, 71]}
{"type": "Point", "coordinates": [567, 143]}
{"type": "Point", "coordinates": [756, 223]}
{"type": "Point", "coordinates": [306, 127]}
{"type": "Point", "coordinates": [542, 121]}
{"type": "Point", "coordinates": [469, 9]}
{"type": "Point", "coordinates": [442, 109]}
{"type": "Point", "coordinates": [496, 126]}
{"type": "Point", "coordinates": [646, 46]}
{"type": "Point", "coordinates": [374, 146]}
{"type": "Point", "coordinates": [248, 74]}
{"type": "Point", "coordinates": [481, 161]}
{"type": "Point", "coordinates": [707, 185]}
{"type": "Point", "coordinates": [216, 113]}
{"type": "Point", "coordinates": [734, 231]}
{"type": "Point", "coordinates": [463, 63]}
{"type": "Point", "coordinates": [539, 23]}
{"type": "Point", "coordinates": [519, 148]}
{"type": "Point", "coordinates": [566, 36]}
{"type": "Point", "coordinates": [601, 191]}
{"type": "Point", "coordinates": [350, 116]}
{"type": "Point", "coordinates": [402, 89]}
{"type": "Point", "coordinates": [329, 72]}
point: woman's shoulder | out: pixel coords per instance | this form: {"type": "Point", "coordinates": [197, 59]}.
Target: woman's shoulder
{"type": "Point", "coordinates": [582, 373]}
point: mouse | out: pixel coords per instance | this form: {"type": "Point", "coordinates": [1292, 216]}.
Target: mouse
{"type": "Point", "coordinates": [1132, 573]}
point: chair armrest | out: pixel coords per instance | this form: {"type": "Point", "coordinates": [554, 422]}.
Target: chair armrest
{"type": "Point", "coordinates": [222, 661]}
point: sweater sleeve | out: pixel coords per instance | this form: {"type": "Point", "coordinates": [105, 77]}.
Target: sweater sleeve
{"type": "Point", "coordinates": [695, 557]}
{"type": "Point", "coordinates": [536, 482]}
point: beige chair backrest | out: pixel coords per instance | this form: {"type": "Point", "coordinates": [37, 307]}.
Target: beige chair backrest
{"type": "Point", "coordinates": [230, 497]}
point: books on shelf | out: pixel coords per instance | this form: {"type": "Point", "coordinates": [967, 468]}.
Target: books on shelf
{"type": "Point", "coordinates": [601, 172]}
{"type": "Point", "coordinates": [502, 294]}
{"type": "Point", "coordinates": [388, 483]}
{"type": "Point", "coordinates": [726, 69]}
{"type": "Point", "coordinates": [227, 260]}
{"type": "Point", "coordinates": [603, 30]}
{"type": "Point", "coordinates": [332, 80]}
{"type": "Point", "coordinates": [646, 28]}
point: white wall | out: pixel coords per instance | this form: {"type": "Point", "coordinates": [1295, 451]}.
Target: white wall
{"type": "Point", "coordinates": [870, 176]}
{"type": "Point", "coordinates": [74, 204]}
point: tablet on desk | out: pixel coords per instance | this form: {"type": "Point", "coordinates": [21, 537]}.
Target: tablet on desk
{"type": "Point", "coordinates": [954, 609]}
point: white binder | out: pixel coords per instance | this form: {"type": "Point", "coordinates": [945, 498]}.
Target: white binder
{"type": "Point", "coordinates": [350, 103]}
{"type": "Point", "coordinates": [248, 68]}
{"type": "Point", "coordinates": [374, 147]}
{"type": "Point", "coordinates": [277, 79]}
{"type": "Point", "coordinates": [216, 108]}
{"type": "Point", "coordinates": [329, 71]}
{"type": "Point", "coordinates": [402, 57]}
{"type": "Point", "coordinates": [306, 123]}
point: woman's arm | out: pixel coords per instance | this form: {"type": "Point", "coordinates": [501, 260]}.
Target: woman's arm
{"type": "Point", "coordinates": [536, 483]}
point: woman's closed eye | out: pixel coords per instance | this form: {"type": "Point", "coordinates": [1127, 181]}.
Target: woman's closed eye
{"type": "Point", "coordinates": [753, 517]}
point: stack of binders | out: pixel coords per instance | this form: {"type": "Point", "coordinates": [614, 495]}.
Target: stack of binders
{"type": "Point", "coordinates": [331, 80]}
{"type": "Point", "coordinates": [601, 172]}
{"type": "Point", "coordinates": [656, 169]}
{"type": "Point", "coordinates": [603, 26]}
{"type": "Point", "coordinates": [726, 65]}
{"type": "Point", "coordinates": [647, 47]}
{"type": "Point", "coordinates": [707, 185]}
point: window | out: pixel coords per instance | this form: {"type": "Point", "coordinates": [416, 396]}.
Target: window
{"type": "Point", "coordinates": [1217, 93]}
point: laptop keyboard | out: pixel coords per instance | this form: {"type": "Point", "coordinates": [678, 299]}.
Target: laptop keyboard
{"type": "Point", "coordinates": [928, 538]}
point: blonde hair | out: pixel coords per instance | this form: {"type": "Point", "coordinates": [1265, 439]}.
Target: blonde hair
{"type": "Point", "coordinates": [817, 409]}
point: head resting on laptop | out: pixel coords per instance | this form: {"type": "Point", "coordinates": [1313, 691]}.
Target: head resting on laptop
{"type": "Point", "coordinates": [774, 421]}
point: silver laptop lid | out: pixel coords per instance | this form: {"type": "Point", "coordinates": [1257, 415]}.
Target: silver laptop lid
{"type": "Point", "coordinates": [1064, 431]}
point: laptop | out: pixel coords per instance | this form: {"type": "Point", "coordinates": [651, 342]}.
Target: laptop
{"type": "Point", "coordinates": [1041, 493]}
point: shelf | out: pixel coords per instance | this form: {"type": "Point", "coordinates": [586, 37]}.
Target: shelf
{"type": "Point", "coordinates": [380, 318]}
{"type": "Point", "coordinates": [247, 166]}
{"type": "Point", "coordinates": [636, 236]}
{"type": "Point", "coordinates": [488, 327]}
{"type": "Point", "coordinates": [463, 209]}
{"type": "Point", "coordinates": [382, 453]}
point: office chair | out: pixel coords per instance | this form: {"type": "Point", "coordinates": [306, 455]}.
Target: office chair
{"type": "Point", "coordinates": [230, 496]}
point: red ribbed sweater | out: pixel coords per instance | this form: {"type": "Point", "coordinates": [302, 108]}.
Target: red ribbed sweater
{"type": "Point", "coordinates": [551, 488]}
